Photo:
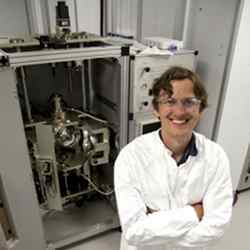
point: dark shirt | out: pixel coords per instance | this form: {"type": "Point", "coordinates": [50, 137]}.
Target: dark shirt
{"type": "Point", "coordinates": [191, 149]}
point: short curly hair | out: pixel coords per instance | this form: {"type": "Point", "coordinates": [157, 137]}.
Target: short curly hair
{"type": "Point", "coordinates": [178, 73]}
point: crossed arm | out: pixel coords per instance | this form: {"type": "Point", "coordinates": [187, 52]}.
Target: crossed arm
{"type": "Point", "coordinates": [193, 225]}
{"type": "Point", "coordinates": [198, 207]}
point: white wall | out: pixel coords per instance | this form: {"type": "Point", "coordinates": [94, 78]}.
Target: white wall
{"type": "Point", "coordinates": [157, 18]}
{"type": "Point", "coordinates": [234, 127]}
{"type": "Point", "coordinates": [37, 16]}
{"type": "Point", "coordinates": [13, 18]}
{"type": "Point", "coordinates": [122, 17]}
{"type": "Point", "coordinates": [163, 18]}
{"type": "Point", "coordinates": [209, 31]}
{"type": "Point", "coordinates": [88, 15]}
{"type": "Point", "coordinates": [84, 15]}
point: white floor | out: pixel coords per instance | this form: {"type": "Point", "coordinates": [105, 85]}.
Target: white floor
{"type": "Point", "coordinates": [236, 238]}
{"type": "Point", "coordinates": [238, 235]}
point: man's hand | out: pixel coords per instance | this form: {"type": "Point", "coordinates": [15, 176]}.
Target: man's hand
{"type": "Point", "coordinates": [197, 206]}
{"type": "Point", "coordinates": [150, 210]}
{"type": "Point", "coordinates": [198, 209]}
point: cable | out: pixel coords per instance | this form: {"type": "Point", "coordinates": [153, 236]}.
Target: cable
{"type": "Point", "coordinates": [95, 186]}
{"type": "Point", "coordinates": [87, 115]}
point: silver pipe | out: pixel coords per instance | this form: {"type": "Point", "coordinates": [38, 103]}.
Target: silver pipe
{"type": "Point", "coordinates": [47, 17]}
{"type": "Point", "coordinates": [124, 93]}
{"type": "Point", "coordinates": [76, 16]}
{"type": "Point", "coordinates": [186, 22]}
{"type": "Point", "coordinates": [114, 17]}
{"type": "Point", "coordinates": [139, 20]}
{"type": "Point", "coordinates": [104, 18]}
{"type": "Point", "coordinates": [90, 83]}
{"type": "Point", "coordinates": [84, 94]}
{"type": "Point", "coordinates": [26, 97]}
{"type": "Point", "coordinates": [69, 72]}
{"type": "Point", "coordinates": [65, 176]}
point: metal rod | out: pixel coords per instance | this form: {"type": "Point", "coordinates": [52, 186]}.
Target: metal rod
{"type": "Point", "coordinates": [65, 176]}
{"type": "Point", "coordinates": [102, 16]}
{"type": "Point", "coordinates": [90, 86]}
{"type": "Point", "coordinates": [47, 17]}
{"type": "Point", "coordinates": [84, 94]}
{"type": "Point", "coordinates": [139, 20]}
{"type": "Point", "coordinates": [76, 16]}
{"type": "Point", "coordinates": [186, 22]}
{"type": "Point", "coordinates": [26, 97]}
{"type": "Point", "coordinates": [124, 101]}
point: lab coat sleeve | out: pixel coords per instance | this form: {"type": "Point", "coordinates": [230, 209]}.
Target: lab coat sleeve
{"type": "Point", "coordinates": [138, 227]}
{"type": "Point", "coordinates": [217, 204]}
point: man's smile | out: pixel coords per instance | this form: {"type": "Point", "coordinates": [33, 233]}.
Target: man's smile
{"type": "Point", "coordinates": [179, 121]}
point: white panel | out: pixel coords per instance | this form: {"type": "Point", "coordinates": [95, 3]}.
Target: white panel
{"type": "Point", "coordinates": [13, 18]}
{"type": "Point", "coordinates": [15, 170]}
{"type": "Point", "coordinates": [88, 15]}
{"type": "Point", "coordinates": [128, 17]}
{"type": "Point", "coordinates": [147, 69]}
{"type": "Point", "coordinates": [234, 129]}
{"type": "Point", "coordinates": [122, 17]}
{"type": "Point", "coordinates": [36, 16]}
{"type": "Point", "coordinates": [210, 28]}
{"type": "Point", "coordinates": [156, 18]}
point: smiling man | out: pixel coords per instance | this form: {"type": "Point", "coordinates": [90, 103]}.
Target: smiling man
{"type": "Point", "coordinates": [173, 185]}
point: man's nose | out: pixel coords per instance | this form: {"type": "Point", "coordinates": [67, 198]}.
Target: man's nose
{"type": "Point", "coordinates": [179, 107]}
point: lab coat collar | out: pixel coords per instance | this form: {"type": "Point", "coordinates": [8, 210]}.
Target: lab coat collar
{"type": "Point", "coordinates": [191, 149]}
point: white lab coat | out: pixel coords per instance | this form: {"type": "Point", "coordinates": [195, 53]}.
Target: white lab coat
{"type": "Point", "coordinates": [147, 175]}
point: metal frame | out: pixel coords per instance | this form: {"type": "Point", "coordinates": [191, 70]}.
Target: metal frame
{"type": "Point", "coordinates": [19, 59]}
{"type": "Point", "coordinates": [124, 104]}
{"type": "Point", "coordinates": [61, 55]}
{"type": "Point", "coordinates": [16, 172]}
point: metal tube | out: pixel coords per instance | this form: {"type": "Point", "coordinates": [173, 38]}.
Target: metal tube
{"type": "Point", "coordinates": [124, 103]}
{"type": "Point", "coordinates": [84, 94]}
{"type": "Point", "coordinates": [76, 16]}
{"type": "Point", "coordinates": [139, 20]}
{"type": "Point", "coordinates": [65, 176]}
{"type": "Point", "coordinates": [186, 22]}
{"type": "Point", "coordinates": [90, 88]}
{"type": "Point", "coordinates": [26, 97]}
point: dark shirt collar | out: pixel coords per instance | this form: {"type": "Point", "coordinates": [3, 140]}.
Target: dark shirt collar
{"type": "Point", "coordinates": [191, 150]}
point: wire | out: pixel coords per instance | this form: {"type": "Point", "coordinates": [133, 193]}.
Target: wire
{"type": "Point", "coordinates": [95, 186]}
{"type": "Point", "coordinates": [87, 115]}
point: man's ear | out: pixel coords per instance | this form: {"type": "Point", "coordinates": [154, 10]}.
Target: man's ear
{"type": "Point", "coordinates": [155, 112]}
{"type": "Point", "coordinates": [201, 113]}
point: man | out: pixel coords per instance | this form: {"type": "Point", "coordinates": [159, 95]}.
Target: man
{"type": "Point", "coordinates": [173, 186]}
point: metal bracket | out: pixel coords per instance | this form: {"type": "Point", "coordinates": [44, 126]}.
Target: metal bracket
{"type": "Point", "coordinates": [125, 51]}
{"type": "Point", "coordinates": [4, 61]}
